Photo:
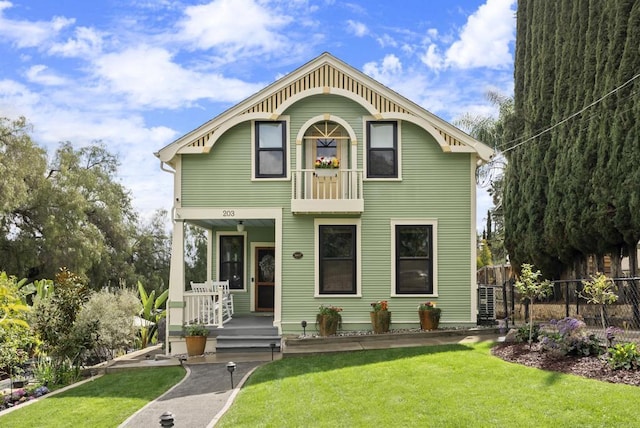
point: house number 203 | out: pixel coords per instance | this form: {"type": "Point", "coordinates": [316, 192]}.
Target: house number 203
{"type": "Point", "coordinates": [228, 213]}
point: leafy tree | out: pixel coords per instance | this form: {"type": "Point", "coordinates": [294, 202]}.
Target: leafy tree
{"type": "Point", "coordinates": [530, 288]}
{"type": "Point", "coordinates": [491, 131]}
{"type": "Point", "coordinates": [72, 211]}
{"type": "Point", "coordinates": [151, 253]}
{"type": "Point", "coordinates": [484, 258]}
{"type": "Point", "coordinates": [15, 334]}
{"type": "Point", "coordinates": [196, 253]}
{"type": "Point", "coordinates": [599, 291]}
{"type": "Point", "coordinates": [54, 319]}
{"type": "Point", "coordinates": [568, 190]}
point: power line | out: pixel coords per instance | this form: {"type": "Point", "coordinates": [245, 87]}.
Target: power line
{"type": "Point", "coordinates": [568, 117]}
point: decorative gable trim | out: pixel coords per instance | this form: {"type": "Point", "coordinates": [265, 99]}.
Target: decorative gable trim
{"type": "Point", "coordinates": [325, 75]}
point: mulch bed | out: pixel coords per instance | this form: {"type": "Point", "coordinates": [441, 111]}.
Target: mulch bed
{"type": "Point", "coordinates": [591, 367]}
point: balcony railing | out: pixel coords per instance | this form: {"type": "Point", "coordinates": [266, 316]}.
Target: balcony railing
{"type": "Point", "coordinates": [327, 191]}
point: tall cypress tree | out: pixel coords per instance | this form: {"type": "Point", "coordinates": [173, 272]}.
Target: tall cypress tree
{"type": "Point", "coordinates": [569, 193]}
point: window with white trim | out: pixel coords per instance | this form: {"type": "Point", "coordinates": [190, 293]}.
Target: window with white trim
{"type": "Point", "coordinates": [337, 259]}
{"type": "Point", "coordinates": [414, 259]}
{"type": "Point", "coordinates": [382, 149]}
{"type": "Point", "coordinates": [270, 149]}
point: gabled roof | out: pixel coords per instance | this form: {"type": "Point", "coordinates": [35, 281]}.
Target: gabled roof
{"type": "Point", "coordinates": [325, 75]}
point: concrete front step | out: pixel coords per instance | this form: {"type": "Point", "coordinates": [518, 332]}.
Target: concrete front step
{"type": "Point", "coordinates": [246, 343]}
{"type": "Point", "coordinates": [244, 331]}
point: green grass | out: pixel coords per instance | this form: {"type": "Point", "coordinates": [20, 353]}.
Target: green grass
{"type": "Point", "coordinates": [438, 386]}
{"type": "Point", "coordinates": [105, 402]}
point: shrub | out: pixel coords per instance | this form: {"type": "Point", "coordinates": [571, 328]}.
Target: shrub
{"type": "Point", "coordinates": [115, 313]}
{"type": "Point", "coordinates": [525, 335]}
{"type": "Point", "coordinates": [624, 356]}
{"type": "Point", "coordinates": [569, 336]}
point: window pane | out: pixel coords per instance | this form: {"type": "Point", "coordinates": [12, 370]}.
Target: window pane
{"type": "Point", "coordinates": [231, 260]}
{"type": "Point", "coordinates": [413, 241]}
{"type": "Point", "coordinates": [414, 273]}
{"type": "Point", "coordinates": [271, 162]}
{"type": "Point", "coordinates": [337, 259]}
{"type": "Point", "coordinates": [338, 276]}
{"type": "Point", "coordinates": [414, 277]}
{"type": "Point", "coordinates": [336, 242]}
{"type": "Point", "coordinates": [381, 135]}
{"type": "Point", "coordinates": [270, 135]}
{"type": "Point", "coordinates": [382, 162]}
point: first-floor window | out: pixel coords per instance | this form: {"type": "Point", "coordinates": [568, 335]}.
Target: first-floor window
{"type": "Point", "coordinates": [232, 260]}
{"type": "Point", "coordinates": [337, 259]}
{"type": "Point", "coordinates": [414, 259]}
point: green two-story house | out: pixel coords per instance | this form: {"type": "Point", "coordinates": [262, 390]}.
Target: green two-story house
{"type": "Point", "coordinates": [327, 187]}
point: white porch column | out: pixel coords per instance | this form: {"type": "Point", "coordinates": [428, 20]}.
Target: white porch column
{"type": "Point", "coordinates": [175, 302]}
{"type": "Point", "coordinates": [210, 244]}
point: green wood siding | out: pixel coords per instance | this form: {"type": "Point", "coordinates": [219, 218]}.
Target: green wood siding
{"type": "Point", "coordinates": [435, 185]}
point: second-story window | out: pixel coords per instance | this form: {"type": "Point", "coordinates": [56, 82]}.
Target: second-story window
{"type": "Point", "coordinates": [382, 149]}
{"type": "Point", "coordinates": [270, 146]}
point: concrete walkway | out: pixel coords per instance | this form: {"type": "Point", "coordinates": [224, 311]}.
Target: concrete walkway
{"type": "Point", "coordinates": [203, 396]}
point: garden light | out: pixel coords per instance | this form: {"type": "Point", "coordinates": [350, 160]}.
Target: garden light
{"type": "Point", "coordinates": [231, 367]}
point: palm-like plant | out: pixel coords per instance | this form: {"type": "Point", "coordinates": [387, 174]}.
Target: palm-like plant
{"type": "Point", "coordinates": [151, 311]}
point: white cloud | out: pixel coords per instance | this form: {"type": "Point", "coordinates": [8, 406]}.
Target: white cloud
{"type": "Point", "coordinates": [432, 58]}
{"type": "Point", "coordinates": [386, 41]}
{"type": "Point", "coordinates": [87, 43]}
{"type": "Point", "coordinates": [30, 33]}
{"type": "Point", "coordinates": [150, 77]}
{"type": "Point", "coordinates": [357, 28]}
{"type": "Point", "coordinates": [40, 74]}
{"type": "Point", "coordinates": [385, 71]}
{"type": "Point", "coordinates": [485, 38]}
{"type": "Point", "coordinates": [234, 26]}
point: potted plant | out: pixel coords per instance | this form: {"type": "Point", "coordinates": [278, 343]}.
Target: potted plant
{"type": "Point", "coordinates": [196, 339]}
{"type": "Point", "coordinates": [328, 319]}
{"type": "Point", "coordinates": [380, 316]}
{"type": "Point", "coordinates": [325, 165]}
{"type": "Point", "coordinates": [429, 315]}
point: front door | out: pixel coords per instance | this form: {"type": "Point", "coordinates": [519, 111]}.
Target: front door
{"type": "Point", "coordinates": [265, 264]}
{"type": "Point", "coordinates": [326, 143]}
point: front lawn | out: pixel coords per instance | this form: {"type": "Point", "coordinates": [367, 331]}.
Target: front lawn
{"type": "Point", "coordinates": [436, 386]}
{"type": "Point", "coordinates": [105, 402]}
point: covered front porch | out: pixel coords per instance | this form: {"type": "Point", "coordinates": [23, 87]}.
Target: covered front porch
{"type": "Point", "coordinates": [243, 249]}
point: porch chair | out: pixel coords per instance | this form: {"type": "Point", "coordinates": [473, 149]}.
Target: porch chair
{"type": "Point", "coordinates": [227, 297]}
{"type": "Point", "coordinates": [206, 304]}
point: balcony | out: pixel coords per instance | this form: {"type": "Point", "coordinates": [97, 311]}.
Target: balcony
{"type": "Point", "coordinates": [327, 191]}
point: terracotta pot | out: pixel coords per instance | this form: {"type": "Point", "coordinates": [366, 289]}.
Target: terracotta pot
{"type": "Point", "coordinates": [429, 320]}
{"type": "Point", "coordinates": [327, 324]}
{"type": "Point", "coordinates": [195, 345]}
{"type": "Point", "coordinates": [380, 321]}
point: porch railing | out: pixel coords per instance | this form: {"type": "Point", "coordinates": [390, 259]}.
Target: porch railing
{"type": "Point", "coordinates": [203, 308]}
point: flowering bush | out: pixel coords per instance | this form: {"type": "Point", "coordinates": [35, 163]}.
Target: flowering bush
{"type": "Point", "coordinates": [21, 395]}
{"type": "Point", "coordinates": [428, 306]}
{"type": "Point", "coordinates": [328, 319]}
{"type": "Point", "coordinates": [380, 305]}
{"type": "Point", "coordinates": [327, 162]}
{"type": "Point", "coordinates": [329, 310]}
{"type": "Point", "coordinates": [569, 336]}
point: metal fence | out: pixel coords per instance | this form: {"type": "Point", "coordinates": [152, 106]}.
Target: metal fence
{"type": "Point", "coordinates": [501, 304]}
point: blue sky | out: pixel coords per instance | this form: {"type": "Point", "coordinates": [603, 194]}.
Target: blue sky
{"type": "Point", "coordinates": [137, 74]}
